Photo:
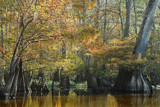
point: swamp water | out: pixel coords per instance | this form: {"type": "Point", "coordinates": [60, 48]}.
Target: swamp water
{"type": "Point", "coordinates": [75, 100]}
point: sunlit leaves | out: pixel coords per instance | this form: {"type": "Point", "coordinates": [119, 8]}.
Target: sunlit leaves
{"type": "Point", "coordinates": [158, 28]}
{"type": "Point", "coordinates": [120, 51]}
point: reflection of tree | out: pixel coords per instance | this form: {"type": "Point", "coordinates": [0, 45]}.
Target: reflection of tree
{"type": "Point", "coordinates": [134, 100]}
{"type": "Point", "coordinates": [5, 104]}
{"type": "Point", "coordinates": [64, 92]}
{"type": "Point", "coordinates": [60, 99]}
{"type": "Point", "coordinates": [21, 103]}
{"type": "Point", "coordinates": [125, 100]}
{"type": "Point", "coordinates": [41, 100]}
{"type": "Point", "coordinates": [54, 100]}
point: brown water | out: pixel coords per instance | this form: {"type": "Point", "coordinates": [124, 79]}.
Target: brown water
{"type": "Point", "coordinates": [72, 100]}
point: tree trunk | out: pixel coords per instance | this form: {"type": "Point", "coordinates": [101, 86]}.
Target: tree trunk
{"type": "Point", "coordinates": [127, 24]}
{"type": "Point", "coordinates": [2, 45]}
{"type": "Point", "coordinates": [135, 17]}
{"type": "Point", "coordinates": [132, 80]}
{"type": "Point", "coordinates": [92, 81]}
{"type": "Point", "coordinates": [84, 13]}
{"type": "Point", "coordinates": [145, 30]}
{"type": "Point", "coordinates": [91, 78]}
{"type": "Point", "coordinates": [28, 88]}
{"type": "Point", "coordinates": [97, 14]}
{"type": "Point", "coordinates": [56, 76]}
{"type": "Point", "coordinates": [121, 18]}
{"type": "Point", "coordinates": [21, 80]}
{"type": "Point", "coordinates": [64, 79]}
{"type": "Point", "coordinates": [52, 86]}
{"type": "Point", "coordinates": [9, 82]}
{"type": "Point", "coordinates": [105, 22]}
{"type": "Point", "coordinates": [13, 90]}
{"type": "Point", "coordinates": [13, 64]}
{"type": "Point", "coordinates": [64, 83]}
{"type": "Point", "coordinates": [16, 82]}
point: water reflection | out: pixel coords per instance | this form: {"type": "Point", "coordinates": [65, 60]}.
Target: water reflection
{"type": "Point", "coordinates": [138, 100]}
{"type": "Point", "coordinates": [74, 100]}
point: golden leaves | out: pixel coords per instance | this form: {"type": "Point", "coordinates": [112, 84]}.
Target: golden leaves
{"type": "Point", "coordinates": [91, 5]}
{"type": "Point", "coordinates": [116, 51]}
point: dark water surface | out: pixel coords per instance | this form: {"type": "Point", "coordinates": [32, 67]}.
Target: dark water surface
{"type": "Point", "coordinates": [73, 100]}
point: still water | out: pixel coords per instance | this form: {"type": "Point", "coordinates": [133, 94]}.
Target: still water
{"type": "Point", "coordinates": [74, 100]}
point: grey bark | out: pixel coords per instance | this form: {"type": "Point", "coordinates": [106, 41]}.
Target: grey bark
{"type": "Point", "coordinates": [21, 79]}
{"type": "Point", "coordinates": [98, 10]}
{"type": "Point", "coordinates": [6, 22]}
{"type": "Point", "coordinates": [135, 15]}
{"type": "Point", "coordinates": [121, 18]}
{"type": "Point", "coordinates": [132, 80]}
{"type": "Point", "coordinates": [84, 13]}
{"type": "Point", "coordinates": [13, 64]}
{"type": "Point", "coordinates": [105, 22]}
{"type": "Point", "coordinates": [13, 91]}
{"type": "Point", "coordinates": [145, 30]}
{"type": "Point", "coordinates": [2, 38]}
{"type": "Point", "coordinates": [64, 79]}
{"type": "Point", "coordinates": [128, 12]}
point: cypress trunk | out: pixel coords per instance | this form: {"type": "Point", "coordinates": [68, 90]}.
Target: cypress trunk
{"type": "Point", "coordinates": [21, 80]}
{"type": "Point", "coordinates": [13, 90]}
{"type": "Point", "coordinates": [132, 80]}
{"type": "Point", "coordinates": [128, 12]}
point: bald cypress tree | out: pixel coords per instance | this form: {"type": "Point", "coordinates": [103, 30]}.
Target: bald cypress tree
{"type": "Point", "coordinates": [131, 80]}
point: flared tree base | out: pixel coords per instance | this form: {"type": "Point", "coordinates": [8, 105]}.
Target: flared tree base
{"type": "Point", "coordinates": [131, 81]}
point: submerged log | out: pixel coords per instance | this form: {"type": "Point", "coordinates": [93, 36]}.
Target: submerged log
{"type": "Point", "coordinates": [131, 81]}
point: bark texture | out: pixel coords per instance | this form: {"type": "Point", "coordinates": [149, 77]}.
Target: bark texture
{"type": "Point", "coordinates": [128, 12]}
{"type": "Point", "coordinates": [131, 81]}
{"type": "Point", "coordinates": [21, 80]}
{"type": "Point", "coordinates": [145, 30]}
